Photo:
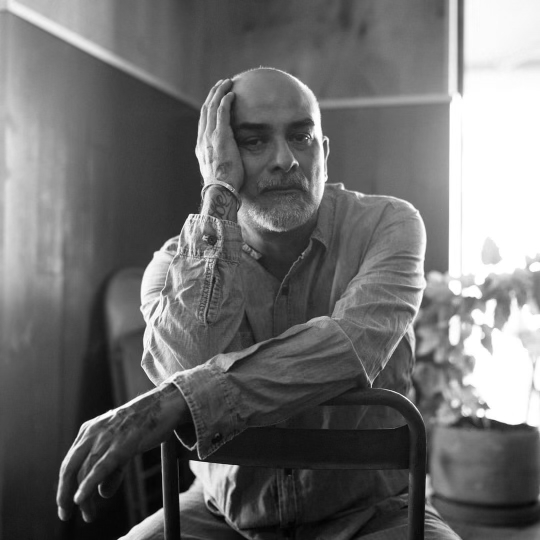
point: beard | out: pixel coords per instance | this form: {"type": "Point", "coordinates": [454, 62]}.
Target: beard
{"type": "Point", "coordinates": [278, 210]}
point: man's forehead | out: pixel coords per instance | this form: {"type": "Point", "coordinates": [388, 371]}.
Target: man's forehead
{"type": "Point", "coordinates": [263, 95]}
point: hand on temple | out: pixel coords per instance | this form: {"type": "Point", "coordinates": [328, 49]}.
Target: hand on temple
{"type": "Point", "coordinates": [216, 150]}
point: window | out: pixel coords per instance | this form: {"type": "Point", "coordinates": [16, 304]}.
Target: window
{"type": "Point", "coordinates": [501, 173]}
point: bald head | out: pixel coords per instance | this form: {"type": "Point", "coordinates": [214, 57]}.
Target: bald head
{"type": "Point", "coordinates": [269, 73]}
{"type": "Point", "coordinates": [272, 88]}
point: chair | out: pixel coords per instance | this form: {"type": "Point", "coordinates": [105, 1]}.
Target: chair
{"type": "Point", "coordinates": [125, 329]}
{"type": "Point", "coordinates": [390, 448]}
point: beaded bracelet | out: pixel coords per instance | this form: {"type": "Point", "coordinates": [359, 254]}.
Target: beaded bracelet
{"type": "Point", "coordinates": [226, 186]}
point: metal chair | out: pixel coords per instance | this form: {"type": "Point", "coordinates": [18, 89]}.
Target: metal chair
{"type": "Point", "coordinates": [390, 448]}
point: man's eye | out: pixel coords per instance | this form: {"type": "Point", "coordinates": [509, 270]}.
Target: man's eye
{"type": "Point", "coordinates": [302, 138]}
{"type": "Point", "coordinates": [252, 142]}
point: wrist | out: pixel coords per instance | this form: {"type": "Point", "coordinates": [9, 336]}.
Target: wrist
{"type": "Point", "coordinates": [175, 407]}
{"type": "Point", "coordinates": [219, 202]}
{"type": "Point", "coordinates": [224, 186]}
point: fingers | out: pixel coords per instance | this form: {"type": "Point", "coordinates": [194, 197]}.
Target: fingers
{"type": "Point", "coordinates": [106, 489]}
{"type": "Point", "coordinates": [216, 104]}
{"type": "Point", "coordinates": [110, 485]}
{"type": "Point", "coordinates": [88, 508]}
{"type": "Point", "coordinates": [87, 503]}
{"type": "Point", "coordinates": [224, 111]}
{"type": "Point", "coordinates": [207, 121]}
{"type": "Point", "coordinates": [67, 483]}
{"type": "Point", "coordinates": [206, 104]}
{"type": "Point", "coordinates": [93, 475]}
{"type": "Point", "coordinates": [82, 471]}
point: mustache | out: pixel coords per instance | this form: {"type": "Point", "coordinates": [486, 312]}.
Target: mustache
{"type": "Point", "coordinates": [293, 180]}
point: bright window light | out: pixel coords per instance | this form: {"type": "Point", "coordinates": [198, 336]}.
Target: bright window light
{"type": "Point", "coordinates": [500, 196]}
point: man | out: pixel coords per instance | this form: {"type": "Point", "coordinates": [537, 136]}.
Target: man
{"type": "Point", "coordinates": [282, 293]}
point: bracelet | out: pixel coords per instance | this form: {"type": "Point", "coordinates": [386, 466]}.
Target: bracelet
{"type": "Point", "coordinates": [226, 186]}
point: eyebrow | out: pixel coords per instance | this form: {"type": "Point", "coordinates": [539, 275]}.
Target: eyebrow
{"type": "Point", "coordinates": [255, 126]}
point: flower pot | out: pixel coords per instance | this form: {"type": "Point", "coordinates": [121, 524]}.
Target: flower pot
{"type": "Point", "coordinates": [489, 476]}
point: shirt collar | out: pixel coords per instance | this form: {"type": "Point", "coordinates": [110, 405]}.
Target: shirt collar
{"type": "Point", "coordinates": [325, 221]}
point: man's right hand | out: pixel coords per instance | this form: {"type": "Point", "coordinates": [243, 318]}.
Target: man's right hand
{"type": "Point", "coordinates": [216, 150]}
{"type": "Point", "coordinates": [106, 443]}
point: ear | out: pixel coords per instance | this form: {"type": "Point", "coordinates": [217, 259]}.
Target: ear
{"type": "Point", "coordinates": [326, 151]}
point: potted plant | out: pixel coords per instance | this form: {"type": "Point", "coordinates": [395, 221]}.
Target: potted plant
{"type": "Point", "coordinates": [481, 470]}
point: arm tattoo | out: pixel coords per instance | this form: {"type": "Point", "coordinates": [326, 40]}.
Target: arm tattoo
{"type": "Point", "coordinates": [147, 413]}
{"type": "Point", "coordinates": [219, 203]}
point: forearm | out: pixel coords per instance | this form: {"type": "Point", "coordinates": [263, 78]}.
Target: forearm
{"type": "Point", "coordinates": [192, 297]}
{"type": "Point", "coordinates": [271, 381]}
{"type": "Point", "coordinates": [156, 414]}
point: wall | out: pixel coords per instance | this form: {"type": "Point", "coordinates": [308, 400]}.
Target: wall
{"type": "Point", "coordinates": [343, 48]}
{"type": "Point", "coordinates": [366, 61]}
{"type": "Point", "coordinates": [400, 151]}
{"type": "Point", "coordinates": [98, 172]}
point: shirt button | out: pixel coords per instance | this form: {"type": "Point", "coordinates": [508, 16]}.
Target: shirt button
{"type": "Point", "coordinates": [217, 438]}
{"type": "Point", "coordinates": [210, 239]}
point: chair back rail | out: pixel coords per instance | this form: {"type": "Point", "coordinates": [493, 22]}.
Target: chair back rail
{"type": "Point", "coordinates": [389, 448]}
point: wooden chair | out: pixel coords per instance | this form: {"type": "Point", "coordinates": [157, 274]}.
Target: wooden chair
{"type": "Point", "coordinates": [125, 329]}
{"type": "Point", "coordinates": [395, 448]}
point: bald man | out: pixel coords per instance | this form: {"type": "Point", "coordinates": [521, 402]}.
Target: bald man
{"type": "Point", "coordinates": [283, 292]}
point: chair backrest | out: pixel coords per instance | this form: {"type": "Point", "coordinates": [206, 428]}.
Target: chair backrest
{"type": "Point", "coordinates": [390, 448]}
{"type": "Point", "coordinates": [125, 328]}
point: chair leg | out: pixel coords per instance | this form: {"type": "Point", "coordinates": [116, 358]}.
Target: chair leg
{"type": "Point", "coordinates": [417, 482]}
{"type": "Point", "coordinates": [171, 507]}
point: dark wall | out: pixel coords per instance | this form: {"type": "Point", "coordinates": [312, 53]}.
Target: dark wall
{"type": "Point", "coordinates": [97, 171]}
{"type": "Point", "coordinates": [401, 151]}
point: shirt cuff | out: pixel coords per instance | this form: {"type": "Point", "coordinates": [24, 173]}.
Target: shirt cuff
{"type": "Point", "coordinates": [216, 421]}
{"type": "Point", "coordinates": [210, 237]}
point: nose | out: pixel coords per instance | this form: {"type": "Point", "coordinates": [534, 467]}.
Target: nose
{"type": "Point", "coordinates": [283, 157]}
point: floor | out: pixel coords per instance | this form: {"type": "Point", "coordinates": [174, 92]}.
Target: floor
{"type": "Point", "coordinates": [477, 532]}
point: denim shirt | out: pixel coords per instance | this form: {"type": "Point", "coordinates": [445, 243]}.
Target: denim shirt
{"type": "Point", "coordinates": [246, 349]}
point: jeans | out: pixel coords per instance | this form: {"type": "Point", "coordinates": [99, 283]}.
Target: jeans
{"type": "Point", "coordinates": [385, 521]}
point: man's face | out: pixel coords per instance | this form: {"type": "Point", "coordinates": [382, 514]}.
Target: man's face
{"type": "Point", "coordinates": [278, 131]}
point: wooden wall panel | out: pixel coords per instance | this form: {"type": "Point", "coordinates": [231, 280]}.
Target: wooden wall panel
{"type": "Point", "coordinates": [342, 48]}
{"type": "Point", "coordinates": [100, 172]}
{"type": "Point", "coordinates": [401, 151]}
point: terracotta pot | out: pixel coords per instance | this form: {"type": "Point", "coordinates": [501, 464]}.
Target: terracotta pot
{"type": "Point", "coordinates": [488, 467]}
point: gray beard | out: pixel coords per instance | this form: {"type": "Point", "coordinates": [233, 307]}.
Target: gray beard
{"type": "Point", "coordinates": [294, 213]}
{"type": "Point", "coordinates": [293, 210]}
